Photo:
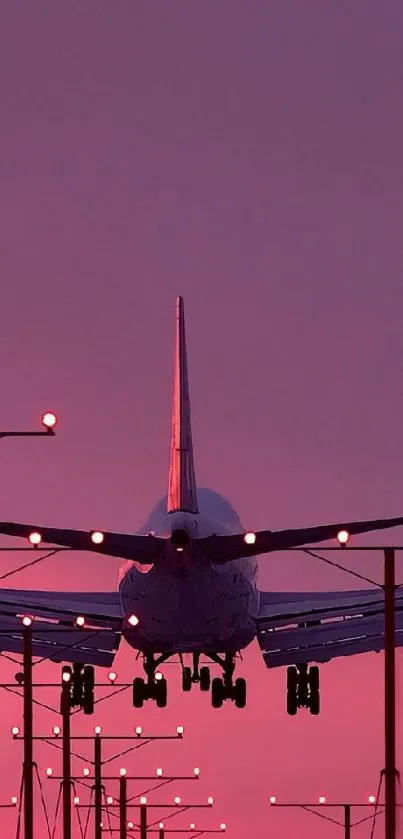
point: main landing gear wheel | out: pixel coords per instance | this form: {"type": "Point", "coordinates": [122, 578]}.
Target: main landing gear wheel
{"type": "Point", "coordinates": [303, 689]}
{"type": "Point", "coordinates": [81, 680]}
{"type": "Point", "coordinates": [156, 689]}
{"type": "Point", "coordinates": [186, 678]}
{"type": "Point", "coordinates": [225, 688]}
{"type": "Point", "coordinates": [204, 678]}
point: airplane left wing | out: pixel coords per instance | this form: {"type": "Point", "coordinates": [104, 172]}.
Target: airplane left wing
{"type": "Point", "coordinates": [54, 634]}
{"type": "Point", "coordinates": [143, 549]}
{"type": "Point", "coordinates": [299, 628]}
{"type": "Point", "coordinates": [228, 548]}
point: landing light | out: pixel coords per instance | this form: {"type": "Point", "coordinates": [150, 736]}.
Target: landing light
{"type": "Point", "coordinates": [35, 538]}
{"type": "Point", "coordinates": [49, 420]}
{"type": "Point", "coordinates": [133, 620]}
{"type": "Point", "coordinates": [80, 620]}
{"type": "Point", "coordinates": [343, 537]}
{"type": "Point", "coordinates": [97, 537]}
{"type": "Point", "coordinates": [158, 676]}
{"type": "Point", "coordinates": [250, 538]}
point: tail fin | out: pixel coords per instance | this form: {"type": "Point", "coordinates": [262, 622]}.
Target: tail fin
{"type": "Point", "coordinates": [182, 482]}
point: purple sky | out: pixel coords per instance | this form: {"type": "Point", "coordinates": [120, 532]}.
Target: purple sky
{"type": "Point", "coordinates": [247, 155]}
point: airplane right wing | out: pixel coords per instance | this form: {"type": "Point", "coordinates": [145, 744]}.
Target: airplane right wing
{"type": "Point", "coordinates": [143, 549]}
{"type": "Point", "coordinates": [304, 627]}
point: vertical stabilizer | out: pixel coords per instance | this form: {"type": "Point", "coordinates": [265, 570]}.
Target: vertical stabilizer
{"type": "Point", "coordinates": [182, 482]}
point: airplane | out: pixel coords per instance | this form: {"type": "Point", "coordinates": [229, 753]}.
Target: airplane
{"type": "Point", "coordinates": [187, 588]}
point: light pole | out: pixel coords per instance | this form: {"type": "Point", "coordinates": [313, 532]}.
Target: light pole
{"type": "Point", "coordinates": [49, 421]}
{"type": "Point", "coordinates": [322, 803]}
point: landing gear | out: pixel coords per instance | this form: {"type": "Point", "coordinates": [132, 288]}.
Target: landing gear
{"type": "Point", "coordinates": [303, 689]}
{"type": "Point", "coordinates": [154, 687]}
{"type": "Point", "coordinates": [195, 675]}
{"type": "Point", "coordinates": [225, 688]}
{"type": "Point", "coordinates": [81, 681]}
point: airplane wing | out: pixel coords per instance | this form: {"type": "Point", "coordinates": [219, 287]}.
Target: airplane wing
{"type": "Point", "coordinates": [54, 634]}
{"type": "Point", "coordinates": [143, 549]}
{"type": "Point", "coordinates": [298, 628]}
{"type": "Point", "coordinates": [227, 548]}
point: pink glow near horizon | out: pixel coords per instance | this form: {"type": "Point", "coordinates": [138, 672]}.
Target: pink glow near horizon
{"type": "Point", "coordinates": [249, 157]}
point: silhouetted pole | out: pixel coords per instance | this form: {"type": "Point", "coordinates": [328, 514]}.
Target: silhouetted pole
{"type": "Point", "coordinates": [66, 783]}
{"type": "Point", "coordinates": [28, 771]}
{"type": "Point", "coordinates": [123, 807]}
{"type": "Point", "coordinates": [347, 821]}
{"type": "Point", "coordinates": [143, 821]}
{"type": "Point", "coordinates": [161, 834]}
{"type": "Point", "coordinates": [390, 696]}
{"type": "Point", "coordinates": [98, 786]}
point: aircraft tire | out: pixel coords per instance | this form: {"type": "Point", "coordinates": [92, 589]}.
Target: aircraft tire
{"type": "Point", "coordinates": [161, 693]}
{"type": "Point", "coordinates": [217, 692]}
{"type": "Point", "coordinates": [138, 692]}
{"type": "Point", "coordinates": [240, 693]}
{"type": "Point", "coordinates": [186, 678]}
{"type": "Point", "coordinates": [205, 678]}
{"type": "Point", "coordinates": [292, 688]}
{"type": "Point", "coordinates": [89, 675]}
{"type": "Point", "coordinates": [88, 701]}
{"type": "Point", "coordinates": [314, 703]}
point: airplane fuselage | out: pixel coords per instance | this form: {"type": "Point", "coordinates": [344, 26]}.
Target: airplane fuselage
{"type": "Point", "coordinates": [187, 603]}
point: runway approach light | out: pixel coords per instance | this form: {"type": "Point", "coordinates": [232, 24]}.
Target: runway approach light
{"type": "Point", "coordinates": [143, 799]}
{"type": "Point", "coordinates": [179, 730]}
{"type": "Point", "coordinates": [223, 826]}
{"type": "Point", "coordinates": [56, 730]}
{"type": "Point", "coordinates": [138, 730]}
{"type": "Point", "coordinates": [86, 771]}
{"type": "Point", "coordinates": [49, 772]}
{"type": "Point", "coordinates": [210, 801]}
{"type": "Point", "coordinates": [250, 538]}
{"type": "Point", "coordinates": [26, 620]}
{"type": "Point", "coordinates": [192, 826]}
{"type": "Point", "coordinates": [322, 799]}
{"type": "Point", "coordinates": [15, 731]}
{"type": "Point", "coordinates": [177, 799]}
{"type": "Point", "coordinates": [97, 537]}
{"type": "Point", "coordinates": [371, 799]}
{"type": "Point", "coordinates": [273, 799]}
{"type": "Point", "coordinates": [161, 825]}
{"type": "Point", "coordinates": [196, 771]}
{"type": "Point", "coordinates": [112, 677]}
{"type": "Point", "coordinates": [97, 730]}
{"type": "Point", "coordinates": [122, 772]}
{"type": "Point", "coordinates": [14, 800]}
{"type": "Point", "coordinates": [49, 420]}
{"type": "Point", "coordinates": [130, 825]}
{"type": "Point", "coordinates": [343, 537]}
{"type": "Point", "coordinates": [159, 772]}
{"type": "Point", "coordinates": [109, 799]}
{"type": "Point", "coordinates": [76, 800]}
{"type": "Point", "coordinates": [35, 538]}
{"type": "Point", "coordinates": [133, 620]}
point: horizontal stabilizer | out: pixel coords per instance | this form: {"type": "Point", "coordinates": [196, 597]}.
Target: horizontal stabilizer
{"type": "Point", "coordinates": [222, 549]}
{"type": "Point", "coordinates": [143, 549]}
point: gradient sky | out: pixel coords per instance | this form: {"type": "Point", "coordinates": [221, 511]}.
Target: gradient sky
{"type": "Point", "coordinates": [247, 155]}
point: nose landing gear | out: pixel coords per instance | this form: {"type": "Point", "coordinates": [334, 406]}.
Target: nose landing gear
{"type": "Point", "coordinates": [196, 675]}
{"type": "Point", "coordinates": [303, 689]}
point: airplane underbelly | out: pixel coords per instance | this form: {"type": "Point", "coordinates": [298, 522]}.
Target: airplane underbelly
{"type": "Point", "coordinates": [200, 611]}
